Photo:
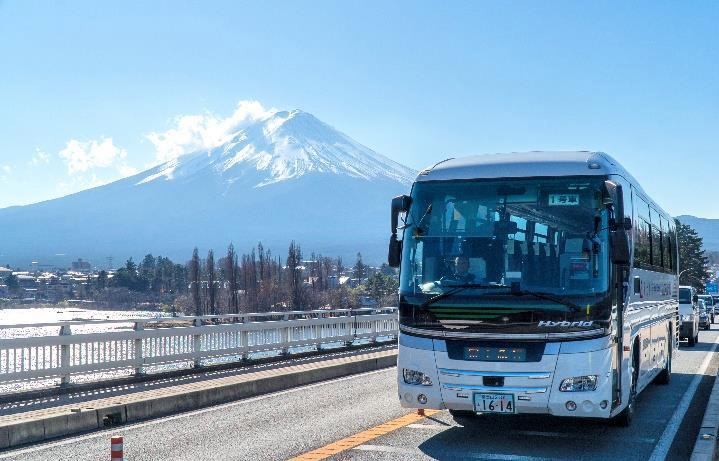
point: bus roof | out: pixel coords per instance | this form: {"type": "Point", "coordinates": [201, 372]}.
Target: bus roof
{"type": "Point", "coordinates": [525, 164]}
{"type": "Point", "coordinates": [530, 164]}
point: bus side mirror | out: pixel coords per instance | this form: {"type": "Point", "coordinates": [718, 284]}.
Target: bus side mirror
{"type": "Point", "coordinates": [400, 204]}
{"type": "Point", "coordinates": [395, 251]}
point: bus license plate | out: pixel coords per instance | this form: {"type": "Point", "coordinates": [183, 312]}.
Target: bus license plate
{"type": "Point", "coordinates": [494, 403]}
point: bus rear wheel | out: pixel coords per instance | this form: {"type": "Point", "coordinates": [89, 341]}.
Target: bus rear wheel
{"type": "Point", "coordinates": [665, 375]}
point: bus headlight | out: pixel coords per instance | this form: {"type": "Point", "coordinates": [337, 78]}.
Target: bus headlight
{"type": "Point", "coordinates": [416, 377]}
{"type": "Point", "coordinates": [579, 384]}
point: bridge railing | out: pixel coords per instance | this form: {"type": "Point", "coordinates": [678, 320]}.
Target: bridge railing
{"type": "Point", "coordinates": [179, 340]}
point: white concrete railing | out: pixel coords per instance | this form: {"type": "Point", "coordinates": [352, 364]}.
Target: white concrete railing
{"type": "Point", "coordinates": [209, 337]}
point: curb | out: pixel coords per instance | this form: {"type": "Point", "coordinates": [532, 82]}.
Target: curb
{"type": "Point", "coordinates": [152, 404]}
{"type": "Point", "coordinates": [705, 447]}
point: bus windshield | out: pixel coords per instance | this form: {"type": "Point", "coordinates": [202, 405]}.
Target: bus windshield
{"type": "Point", "coordinates": [507, 244]}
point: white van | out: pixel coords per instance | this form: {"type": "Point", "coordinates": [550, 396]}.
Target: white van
{"type": "Point", "coordinates": [689, 315]}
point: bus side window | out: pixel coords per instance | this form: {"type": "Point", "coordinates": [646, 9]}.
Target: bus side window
{"type": "Point", "coordinates": [642, 230]}
{"type": "Point", "coordinates": [656, 239]}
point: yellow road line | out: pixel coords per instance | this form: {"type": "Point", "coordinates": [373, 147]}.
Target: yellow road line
{"type": "Point", "coordinates": [362, 437]}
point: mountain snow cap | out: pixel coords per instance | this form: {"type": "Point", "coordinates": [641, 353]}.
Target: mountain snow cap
{"type": "Point", "coordinates": [268, 146]}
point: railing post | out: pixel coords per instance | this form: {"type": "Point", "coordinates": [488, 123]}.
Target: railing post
{"type": "Point", "coordinates": [373, 337]}
{"type": "Point", "coordinates": [285, 336]}
{"type": "Point", "coordinates": [318, 332]}
{"type": "Point", "coordinates": [139, 354]}
{"type": "Point", "coordinates": [196, 338]}
{"type": "Point", "coordinates": [352, 323]}
{"type": "Point", "coordinates": [65, 357]}
{"type": "Point", "coordinates": [244, 339]}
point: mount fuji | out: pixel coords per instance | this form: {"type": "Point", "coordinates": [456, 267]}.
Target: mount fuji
{"type": "Point", "coordinates": [283, 176]}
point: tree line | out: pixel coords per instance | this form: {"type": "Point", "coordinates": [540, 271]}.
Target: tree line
{"type": "Point", "coordinates": [258, 281]}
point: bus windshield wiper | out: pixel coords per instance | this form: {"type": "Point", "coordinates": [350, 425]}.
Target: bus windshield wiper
{"type": "Point", "coordinates": [456, 289]}
{"type": "Point", "coordinates": [547, 296]}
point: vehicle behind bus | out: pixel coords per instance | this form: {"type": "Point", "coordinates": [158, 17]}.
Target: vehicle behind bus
{"type": "Point", "coordinates": [710, 305]}
{"type": "Point", "coordinates": [533, 283]}
{"type": "Point", "coordinates": [689, 315]}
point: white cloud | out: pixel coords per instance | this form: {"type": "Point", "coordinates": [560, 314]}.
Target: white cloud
{"type": "Point", "coordinates": [127, 170]}
{"type": "Point", "coordinates": [40, 158]}
{"type": "Point", "coordinates": [194, 132]}
{"type": "Point", "coordinates": [6, 168]}
{"type": "Point", "coordinates": [81, 156]}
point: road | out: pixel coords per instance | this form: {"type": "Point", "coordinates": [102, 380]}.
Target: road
{"type": "Point", "coordinates": [293, 422]}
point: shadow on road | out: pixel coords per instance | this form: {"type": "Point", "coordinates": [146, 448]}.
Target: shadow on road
{"type": "Point", "coordinates": [552, 437]}
{"type": "Point", "coordinates": [700, 346]}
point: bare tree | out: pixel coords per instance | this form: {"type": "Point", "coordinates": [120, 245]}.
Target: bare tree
{"type": "Point", "coordinates": [231, 270]}
{"type": "Point", "coordinates": [211, 280]}
{"type": "Point", "coordinates": [194, 269]}
{"type": "Point", "coordinates": [294, 278]}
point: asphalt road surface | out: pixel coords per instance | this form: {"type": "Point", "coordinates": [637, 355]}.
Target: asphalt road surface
{"type": "Point", "coordinates": [290, 423]}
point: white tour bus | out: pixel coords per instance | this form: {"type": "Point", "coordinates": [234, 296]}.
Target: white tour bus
{"type": "Point", "coordinates": [541, 282]}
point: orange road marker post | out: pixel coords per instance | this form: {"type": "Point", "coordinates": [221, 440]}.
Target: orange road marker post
{"type": "Point", "coordinates": [116, 449]}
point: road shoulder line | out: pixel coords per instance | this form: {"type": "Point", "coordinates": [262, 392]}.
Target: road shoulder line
{"type": "Point", "coordinates": [705, 446]}
{"type": "Point", "coordinates": [669, 434]}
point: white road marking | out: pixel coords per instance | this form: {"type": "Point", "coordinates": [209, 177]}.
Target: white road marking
{"type": "Point", "coordinates": [162, 420]}
{"type": "Point", "coordinates": [450, 453]}
{"type": "Point", "coordinates": [432, 427]}
{"type": "Point", "coordinates": [665, 441]}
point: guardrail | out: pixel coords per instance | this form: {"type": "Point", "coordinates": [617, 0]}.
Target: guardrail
{"type": "Point", "coordinates": [194, 340]}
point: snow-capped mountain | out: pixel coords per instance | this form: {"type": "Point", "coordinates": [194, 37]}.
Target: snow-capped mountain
{"type": "Point", "coordinates": [283, 176]}
{"type": "Point", "coordinates": [281, 146]}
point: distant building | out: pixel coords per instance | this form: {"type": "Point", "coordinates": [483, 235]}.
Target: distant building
{"type": "Point", "coordinates": [81, 266]}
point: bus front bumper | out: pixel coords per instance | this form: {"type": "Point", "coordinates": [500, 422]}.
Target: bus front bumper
{"type": "Point", "coordinates": [534, 387]}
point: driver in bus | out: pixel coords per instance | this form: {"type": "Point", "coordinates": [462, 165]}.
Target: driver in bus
{"type": "Point", "coordinates": [461, 270]}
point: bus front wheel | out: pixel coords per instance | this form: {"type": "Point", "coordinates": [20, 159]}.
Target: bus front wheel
{"type": "Point", "coordinates": [624, 419]}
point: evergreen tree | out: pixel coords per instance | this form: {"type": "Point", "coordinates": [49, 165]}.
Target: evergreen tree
{"type": "Point", "coordinates": [360, 268]}
{"type": "Point", "coordinates": [13, 283]}
{"type": "Point", "coordinates": [127, 277]}
{"type": "Point", "coordinates": [102, 280]}
{"type": "Point", "coordinates": [146, 271]}
{"type": "Point", "coordinates": [692, 259]}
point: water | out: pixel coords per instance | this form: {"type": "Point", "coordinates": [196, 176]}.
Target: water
{"type": "Point", "coordinates": [59, 314]}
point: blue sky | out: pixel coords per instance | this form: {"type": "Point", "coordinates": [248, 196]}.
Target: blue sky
{"type": "Point", "coordinates": [83, 85]}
